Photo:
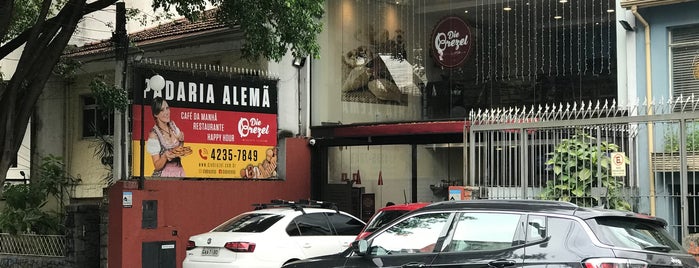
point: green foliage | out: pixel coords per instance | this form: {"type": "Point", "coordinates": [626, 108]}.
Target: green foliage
{"type": "Point", "coordinates": [103, 148]}
{"type": "Point", "coordinates": [24, 213]}
{"type": "Point", "coordinates": [66, 67]}
{"type": "Point", "coordinates": [25, 14]}
{"type": "Point", "coordinates": [270, 27]}
{"type": "Point", "coordinates": [672, 138]}
{"type": "Point", "coordinates": [108, 96]}
{"type": "Point", "coordinates": [574, 162]}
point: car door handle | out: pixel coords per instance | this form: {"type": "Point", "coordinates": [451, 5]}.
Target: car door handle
{"type": "Point", "coordinates": [501, 263]}
{"type": "Point", "coordinates": [307, 245]}
{"type": "Point", "coordinates": [413, 265]}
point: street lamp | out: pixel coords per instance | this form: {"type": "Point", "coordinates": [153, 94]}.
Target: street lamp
{"type": "Point", "coordinates": [299, 62]}
{"type": "Point", "coordinates": [156, 82]}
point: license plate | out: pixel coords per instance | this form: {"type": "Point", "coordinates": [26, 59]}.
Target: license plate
{"type": "Point", "coordinates": [213, 252]}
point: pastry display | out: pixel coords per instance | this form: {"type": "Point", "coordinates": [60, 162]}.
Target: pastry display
{"type": "Point", "coordinates": [182, 151]}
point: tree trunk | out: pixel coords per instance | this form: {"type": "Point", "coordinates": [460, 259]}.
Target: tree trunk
{"type": "Point", "coordinates": [44, 46]}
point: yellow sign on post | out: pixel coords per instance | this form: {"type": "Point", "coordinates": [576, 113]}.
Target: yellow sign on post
{"type": "Point", "coordinates": [618, 164]}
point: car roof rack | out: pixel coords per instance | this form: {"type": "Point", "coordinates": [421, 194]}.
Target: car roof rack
{"type": "Point", "coordinates": [297, 205]}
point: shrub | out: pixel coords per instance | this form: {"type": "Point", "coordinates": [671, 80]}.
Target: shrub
{"type": "Point", "coordinates": [574, 162]}
{"type": "Point", "coordinates": [24, 213]}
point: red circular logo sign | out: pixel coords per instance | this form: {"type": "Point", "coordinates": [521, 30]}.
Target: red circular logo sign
{"type": "Point", "coordinates": [451, 42]}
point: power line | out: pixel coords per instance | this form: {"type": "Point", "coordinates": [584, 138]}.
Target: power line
{"type": "Point", "coordinates": [93, 29]}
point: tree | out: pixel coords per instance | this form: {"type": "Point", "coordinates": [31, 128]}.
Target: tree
{"type": "Point", "coordinates": [44, 27]}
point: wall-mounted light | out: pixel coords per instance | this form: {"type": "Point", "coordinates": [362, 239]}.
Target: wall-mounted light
{"type": "Point", "coordinates": [299, 62]}
{"type": "Point", "coordinates": [626, 25]}
{"type": "Point", "coordinates": [507, 8]}
{"type": "Point", "coordinates": [156, 82]}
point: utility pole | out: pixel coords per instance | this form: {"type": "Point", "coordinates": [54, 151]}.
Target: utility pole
{"type": "Point", "coordinates": [121, 48]}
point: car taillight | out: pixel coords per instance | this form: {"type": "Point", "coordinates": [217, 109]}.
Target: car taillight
{"type": "Point", "coordinates": [240, 246]}
{"type": "Point", "coordinates": [191, 245]}
{"type": "Point", "coordinates": [614, 263]}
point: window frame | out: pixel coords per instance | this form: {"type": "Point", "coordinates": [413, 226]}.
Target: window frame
{"type": "Point", "coordinates": [676, 43]}
{"type": "Point", "coordinates": [295, 222]}
{"type": "Point", "coordinates": [443, 233]}
{"type": "Point", "coordinates": [95, 113]}
{"type": "Point", "coordinates": [516, 240]}
{"type": "Point", "coordinates": [329, 216]}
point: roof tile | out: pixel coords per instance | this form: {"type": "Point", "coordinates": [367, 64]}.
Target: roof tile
{"type": "Point", "coordinates": [168, 31]}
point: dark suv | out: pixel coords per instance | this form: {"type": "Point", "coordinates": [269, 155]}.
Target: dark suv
{"type": "Point", "coordinates": [514, 233]}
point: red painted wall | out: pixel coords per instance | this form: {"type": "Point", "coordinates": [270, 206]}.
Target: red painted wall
{"type": "Point", "coordinates": [195, 206]}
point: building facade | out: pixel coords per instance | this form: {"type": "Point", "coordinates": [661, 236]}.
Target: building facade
{"type": "Point", "coordinates": [662, 59]}
{"type": "Point", "coordinates": [396, 80]}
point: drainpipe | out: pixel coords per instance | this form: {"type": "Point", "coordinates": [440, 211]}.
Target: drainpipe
{"type": "Point", "coordinates": [649, 96]}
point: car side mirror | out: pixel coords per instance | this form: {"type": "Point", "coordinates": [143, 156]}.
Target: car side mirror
{"type": "Point", "coordinates": [360, 247]}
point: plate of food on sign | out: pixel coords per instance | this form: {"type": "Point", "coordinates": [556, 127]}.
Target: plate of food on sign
{"type": "Point", "coordinates": [182, 151]}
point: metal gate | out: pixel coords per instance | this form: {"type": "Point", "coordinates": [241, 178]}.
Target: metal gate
{"type": "Point", "coordinates": [643, 157]}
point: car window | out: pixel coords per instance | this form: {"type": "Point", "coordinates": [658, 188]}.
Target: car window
{"type": "Point", "coordinates": [417, 234]}
{"type": "Point", "coordinates": [536, 228]}
{"type": "Point", "coordinates": [250, 223]}
{"type": "Point", "coordinates": [483, 231]}
{"type": "Point", "coordinates": [310, 224]}
{"type": "Point", "coordinates": [382, 218]}
{"type": "Point", "coordinates": [345, 225]}
{"type": "Point", "coordinates": [566, 236]}
{"type": "Point", "coordinates": [636, 234]}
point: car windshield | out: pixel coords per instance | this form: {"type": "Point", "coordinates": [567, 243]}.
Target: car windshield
{"type": "Point", "coordinates": [249, 223]}
{"type": "Point", "coordinates": [636, 234]}
{"type": "Point", "coordinates": [382, 218]}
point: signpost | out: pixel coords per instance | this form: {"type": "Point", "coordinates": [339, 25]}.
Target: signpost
{"type": "Point", "coordinates": [618, 164]}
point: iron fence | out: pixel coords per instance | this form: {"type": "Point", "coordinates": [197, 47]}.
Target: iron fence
{"type": "Point", "coordinates": [33, 245]}
{"type": "Point", "coordinates": [573, 152]}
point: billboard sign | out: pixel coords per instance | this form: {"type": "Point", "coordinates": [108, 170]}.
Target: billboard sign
{"type": "Point", "coordinates": [195, 124]}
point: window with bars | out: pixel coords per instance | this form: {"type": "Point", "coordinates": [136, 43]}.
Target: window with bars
{"type": "Point", "coordinates": [95, 121]}
{"type": "Point", "coordinates": [684, 43]}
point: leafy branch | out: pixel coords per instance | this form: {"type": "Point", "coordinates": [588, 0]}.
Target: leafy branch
{"type": "Point", "coordinates": [24, 203]}
{"type": "Point", "coordinates": [573, 161]}
{"type": "Point", "coordinates": [108, 96]}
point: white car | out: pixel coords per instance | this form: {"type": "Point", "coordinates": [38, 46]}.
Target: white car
{"type": "Point", "coordinates": [273, 235]}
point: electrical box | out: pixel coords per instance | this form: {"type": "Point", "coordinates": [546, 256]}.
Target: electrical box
{"type": "Point", "coordinates": [149, 217]}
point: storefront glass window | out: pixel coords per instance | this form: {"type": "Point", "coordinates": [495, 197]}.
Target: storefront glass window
{"type": "Point", "coordinates": [422, 60]}
{"type": "Point", "coordinates": [387, 171]}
